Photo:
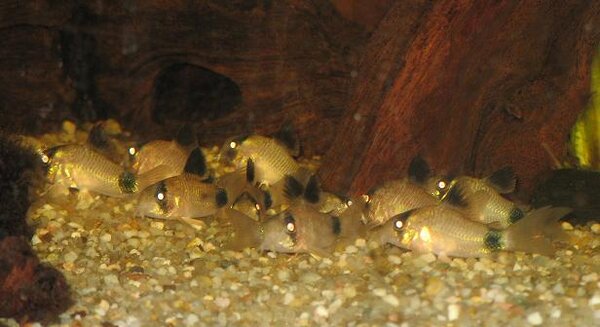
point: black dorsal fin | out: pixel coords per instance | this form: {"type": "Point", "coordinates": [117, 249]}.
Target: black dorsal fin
{"type": "Point", "coordinates": [418, 170]}
{"type": "Point", "coordinates": [292, 187]}
{"type": "Point", "coordinates": [196, 163]}
{"type": "Point", "coordinates": [503, 180]}
{"type": "Point", "coordinates": [250, 173]}
{"type": "Point", "coordinates": [97, 137]}
{"type": "Point", "coordinates": [456, 196]}
{"type": "Point", "coordinates": [186, 136]}
{"type": "Point", "coordinates": [288, 137]}
{"type": "Point", "coordinates": [312, 191]}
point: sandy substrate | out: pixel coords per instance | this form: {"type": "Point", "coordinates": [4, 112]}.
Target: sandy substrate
{"type": "Point", "coordinates": [127, 271]}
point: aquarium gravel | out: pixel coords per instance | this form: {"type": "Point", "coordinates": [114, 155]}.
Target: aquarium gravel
{"type": "Point", "coordinates": [128, 271]}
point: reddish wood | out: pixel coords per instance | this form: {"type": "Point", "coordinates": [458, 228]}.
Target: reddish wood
{"type": "Point", "coordinates": [470, 85]}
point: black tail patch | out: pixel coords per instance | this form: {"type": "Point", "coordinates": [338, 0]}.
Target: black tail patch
{"type": "Point", "coordinates": [419, 170]}
{"type": "Point", "coordinates": [250, 173]}
{"type": "Point", "coordinates": [503, 180]}
{"type": "Point", "coordinates": [221, 197]}
{"type": "Point", "coordinates": [128, 182]}
{"type": "Point", "coordinates": [494, 241]}
{"type": "Point", "coordinates": [292, 187]}
{"type": "Point", "coordinates": [336, 226]}
{"type": "Point", "coordinates": [516, 214]}
{"type": "Point", "coordinates": [97, 137]}
{"type": "Point", "coordinates": [186, 136]}
{"type": "Point", "coordinates": [312, 191]}
{"type": "Point", "coordinates": [196, 163]}
{"type": "Point", "coordinates": [456, 197]}
{"type": "Point", "coordinates": [288, 137]}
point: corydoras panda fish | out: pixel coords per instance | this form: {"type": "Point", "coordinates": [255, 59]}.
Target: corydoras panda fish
{"type": "Point", "coordinates": [299, 229]}
{"type": "Point", "coordinates": [446, 232]}
{"type": "Point", "coordinates": [78, 166]}
{"type": "Point", "coordinates": [184, 196]}
{"type": "Point", "coordinates": [480, 199]}
{"type": "Point", "coordinates": [173, 154]}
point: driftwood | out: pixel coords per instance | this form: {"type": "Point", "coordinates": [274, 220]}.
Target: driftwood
{"type": "Point", "coordinates": [229, 68]}
{"type": "Point", "coordinates": [470, 85]}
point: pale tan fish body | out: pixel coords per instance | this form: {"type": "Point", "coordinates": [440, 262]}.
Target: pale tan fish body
{"type": "Point", "coordinates": [182, 196]}
{"type": "Point", "coordinates": [395, 197]}
{"type": "Point", "coordinates": [78, 166]}
{"type": "Point", "coordinates": [446, 232]}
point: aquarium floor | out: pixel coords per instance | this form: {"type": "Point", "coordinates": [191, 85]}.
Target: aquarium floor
{"type": "Point", "coordinates": [127, 271]}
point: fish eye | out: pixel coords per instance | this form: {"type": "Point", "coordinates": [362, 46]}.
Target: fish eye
{"type": "Point", "coordinates": [291, 227]}
{"type": "Point", "coordinates": [132, 151]}
{"type": "Point", "coordinates": [233, 145]}
{"type": "Point", "coordinates": [45, 158]}
{"type": "Point", "coordinates": [160, 196]}
{"type": "Point", "coordinates": [349, 203]}
{"type": "Point", "coordinates": [398, 224]}
{"type": "Point", "coordinates": [441, 185]}
{"type": "Point", "coordinates": [367, 198]}
{"type": "Point", "coordinates": [257, 206]}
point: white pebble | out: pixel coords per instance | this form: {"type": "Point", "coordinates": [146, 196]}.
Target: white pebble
{"type": "Point", "coordinates": [35, 240]}
{"type": "Point", "coordinates": [191, 320]}
{"type": "Point", "coordinates": [106, 238]}
{"type": "Point", "coordinates": [321, 311]}
{"type": "Point", "coordinates": [594, 300]}
{"type": "Point", "coordinates": [222, 302]}
{"type": "Point", "coordinates": [288, 298]}
{"type": "Point", "coordinates": [102, 307]}
{"type": "Point", "coordinates": [394, 259]}
{"type": "Point", "coordinates": [392, 300]}
{"type": "Point", "coordinates": [535, 318]}
{"type": "Point", "coordinates": [596, 228]}
{"type": "Point", "coordinates": [453, 312]}
{"type": "Point", "coordinates": [380, 292]}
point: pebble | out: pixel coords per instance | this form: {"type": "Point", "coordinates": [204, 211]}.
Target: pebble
{"type": "Point", "coordinates": [566, 225]}
{"type": "Point", "coordinates": [111, 279]}
{"type": "Point", "coordinates": [157, 225]}
{"type": "Point", "coordinates": [453, 312]}
{"type": "Point", "coordinates": [222, 302]}
{"type": "Point", "coordinates": [191, 320]}
{"type": "Point", "coordinates": [288, 298]}
{"type": "Point", "coordinates": [535, 318]}
{"type": "Point", "coordinates": [596, 228]}
{"type": "Point", "coordinates": [105, 238]}
{"type": "Point", "coordinates": [391, 300]}
{"type": "Point", "coordinates": [71, 257]}
{"type": "Point", "coordinates": [321, 311]}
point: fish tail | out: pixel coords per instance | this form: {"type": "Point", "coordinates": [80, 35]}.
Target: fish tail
{"type": "Point", "coordinates": [153, 176]}
{"type": "Point", "coordinates": [247, 231]}
{"type": "Point", "coordinates": [537, 231]}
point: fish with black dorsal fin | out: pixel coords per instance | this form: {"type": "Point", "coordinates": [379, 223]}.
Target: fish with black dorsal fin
{"type": "Point", "coordinates": [270, 159]}
{"type": "Point", "coordinates": [184, 197]}
{"type": "Point", "coordinates": [173, 154]}
{"type": "Point", "coordinates": [446, 232]}
{"type": "Point", "coordinates": [299, 229]}
{"type": "Point", "coordinates": [421, 174]}
{"type": "Point", "coordinates": [78, 166]}
{"type": "Point", "coordinates": [480, 201]}
{"type": "Point", "coordinates": [392, 198]}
